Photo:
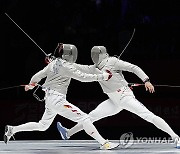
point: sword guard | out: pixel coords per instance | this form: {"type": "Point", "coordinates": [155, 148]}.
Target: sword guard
{"type": "Point", "coordinates": [49, 58]}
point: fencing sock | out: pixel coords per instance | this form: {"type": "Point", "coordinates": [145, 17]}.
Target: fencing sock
{"type": "Point", "coordinates": [92, 131]}
{"type": "Point", "coordinates": [161, 124]}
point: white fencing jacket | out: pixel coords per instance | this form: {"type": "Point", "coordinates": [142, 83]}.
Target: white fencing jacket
{"type": "Point", "coordinates": [58, 75]}
{"type": "Point", "coordinates": [116, 66]}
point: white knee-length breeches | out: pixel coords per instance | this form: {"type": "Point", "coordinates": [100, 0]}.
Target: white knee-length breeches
{"type": "Point", "coordinates": [119, 100]}
{"type": "Point", "coordinates": [56, 103]}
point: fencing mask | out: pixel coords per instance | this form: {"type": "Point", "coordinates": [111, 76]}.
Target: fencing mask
{"type": "Point", "coordinates": [67, 52]}
{"type": "Point", "coordinates": [98, 53]}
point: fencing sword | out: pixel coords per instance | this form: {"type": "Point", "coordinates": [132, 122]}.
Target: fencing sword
{"type": "Point", "coordinates": [16, 86]}
{"type": "Point", "coordinates": [139, 84]}
{"type": "Point", "coordinates": [156, 85]}
{"type": "Point", "coordinates": [47, 55]}
{"type": "Point", "coordinates": [127, 43]}
{"type": "Point", "coordinates": [23, 85]}
{"type": "Point", "coordinates": [11, 87]}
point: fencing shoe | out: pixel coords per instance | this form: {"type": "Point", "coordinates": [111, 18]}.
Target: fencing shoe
{"type": "Point", "coordinates": [8, 133]}
{"type": "Point", "coordinates": [109, 145]}
{"type": "Point", "coordinates": [63, 131]}
{"type": "Point", "coordinates": [177, 142]}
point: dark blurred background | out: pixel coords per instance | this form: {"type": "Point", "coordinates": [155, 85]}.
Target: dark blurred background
{"type": "Point", "coordinates": [85, 23]}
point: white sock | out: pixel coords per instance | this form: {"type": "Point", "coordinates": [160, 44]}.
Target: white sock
{"type": "Point", "coordinates": [161, 124]}
{"type": "Point", "coordinates": [92, 131]}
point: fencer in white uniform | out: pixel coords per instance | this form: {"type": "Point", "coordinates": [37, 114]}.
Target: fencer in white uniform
{"type": "Point", "coordinates": [119, 93]}
{"type": "Point", "coordinates": [58, 74]}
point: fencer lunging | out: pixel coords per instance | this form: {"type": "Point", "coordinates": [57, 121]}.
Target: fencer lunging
{"type": "Point", "coordinates": [120, 95]}
{"type": "Point", "coordinates": [58, 74]}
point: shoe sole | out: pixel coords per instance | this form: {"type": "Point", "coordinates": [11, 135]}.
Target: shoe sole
{"type": "Point", "coordinates": [115, 146]}
{"type": "Point", "coordinates": [110, 148]}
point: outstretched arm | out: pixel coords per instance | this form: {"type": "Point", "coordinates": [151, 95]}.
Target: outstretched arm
{"type": "Point", "coordinates": [85, 68]}
{"type": "Point", "coordinates": [85, 77]}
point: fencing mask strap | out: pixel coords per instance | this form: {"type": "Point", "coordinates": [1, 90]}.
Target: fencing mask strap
{"type": "Point", "coordinates": [98, 54]}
